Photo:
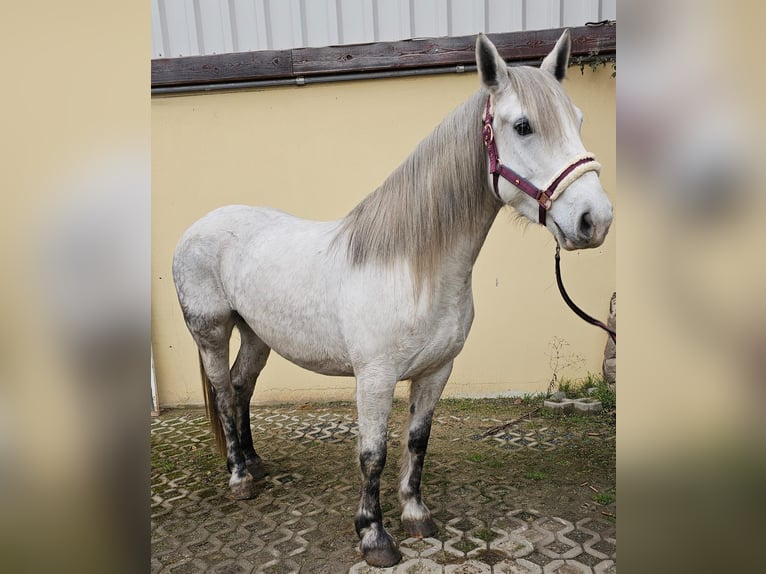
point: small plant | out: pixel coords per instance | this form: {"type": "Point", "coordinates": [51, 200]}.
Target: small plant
{"type": "Point", "coordinates": [465, 545]}
{"type": "Point", "coordinates": [604, 498]}
{"type": "Point", "coordinates": [164, 465]}
{"type": "Point", "coordinates": [593, 60]}
{"type": "Point", "coordinates": [531, 398]}
{"type": "Point", "coordinates": [485, 534]}
{"type": "Point", "coordinates": [592, 385]}
{"type": "Point", "coordinates": [559, 360]}
{"type": "Point", "coordinates": [476, 457]}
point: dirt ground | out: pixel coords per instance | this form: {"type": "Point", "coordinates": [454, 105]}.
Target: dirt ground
{"type": "Point", "coordinates": [482, 480]}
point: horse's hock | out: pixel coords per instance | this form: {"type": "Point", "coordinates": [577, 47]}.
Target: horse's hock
{"type": "Point", "coordinates": [609, 366]}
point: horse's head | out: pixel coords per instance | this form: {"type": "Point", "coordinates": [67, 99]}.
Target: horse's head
{"type": "Point", "coordinates": [536, 133]}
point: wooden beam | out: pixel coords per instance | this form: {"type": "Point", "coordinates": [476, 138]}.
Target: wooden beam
{"type": "Point", "coordinates": [375, 57]}
{"type": "Point", "coordinates": [234, 67]}
{"type": "Point", "coordinates": [435, 52]}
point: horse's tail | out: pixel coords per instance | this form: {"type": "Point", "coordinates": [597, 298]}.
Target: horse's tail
{"type": "Point", "coordinates": [211, 408]}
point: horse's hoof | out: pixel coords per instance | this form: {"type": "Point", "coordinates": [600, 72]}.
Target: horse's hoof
{"type": "Point", "coordinates": [256, 468]}
{"type": "Point", "coordinates": [382, 557]}
{"type": "Point", "coordinates": [243, 489]}
{"type": "Point", "coordinates": [420, 528]}
{"type": "Point", "coordinates": [380, 551]}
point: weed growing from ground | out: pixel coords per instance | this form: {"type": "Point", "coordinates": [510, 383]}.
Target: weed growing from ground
{"type": "Point", "coordinates": [604, 498]}
{"type": "Point", "coordinates": [559, 360]}
{"type": "Point", "coordinates": [581, 388]}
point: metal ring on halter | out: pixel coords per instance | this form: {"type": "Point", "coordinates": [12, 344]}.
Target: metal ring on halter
{"type": "Point", "coordinates": [488, 131]}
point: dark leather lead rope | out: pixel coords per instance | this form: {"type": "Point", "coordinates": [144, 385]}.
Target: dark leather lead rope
{"type": "Point", "coordinates": [579, 312]}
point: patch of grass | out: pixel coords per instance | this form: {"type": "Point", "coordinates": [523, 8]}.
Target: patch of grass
{"type": "Point", "coordinates": [604, 498]}
{"type": "Point", "coordinates": [532, 399]}
{"type": "Point", "coordinates": [464, 545]}
{"type": "Point", "coordinates": [205, 459]}
{"type": "Point", "coordinates": [536, 475]}
{"type": "Point", "coordinates": [485, 534]}
{"type": "Point", "coordinates": [164, 465]}
{"type": "Point", "coordinates": [488, 407]}
{"type": "Point", "coordinates": [476, 457]}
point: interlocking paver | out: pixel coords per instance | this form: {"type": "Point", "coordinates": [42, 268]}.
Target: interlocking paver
{"type": "Point", "coordinates": [302, 517]}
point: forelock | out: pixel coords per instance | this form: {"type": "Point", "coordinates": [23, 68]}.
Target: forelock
{"type": "Point", "coordinates": [543, 99]}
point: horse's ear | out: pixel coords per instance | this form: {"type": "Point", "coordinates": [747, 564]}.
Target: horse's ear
{"type": "Point", "coordinates": [557, 61]}
{"type": "Point", "coordinates": [493, 70]}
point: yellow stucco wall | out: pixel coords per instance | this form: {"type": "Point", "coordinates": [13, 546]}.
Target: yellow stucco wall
{"type": "Point", "coordinates": [316, 151]}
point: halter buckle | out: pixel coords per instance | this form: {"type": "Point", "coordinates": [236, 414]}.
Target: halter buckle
{"type": "Point", "coordinates": [489, 134]}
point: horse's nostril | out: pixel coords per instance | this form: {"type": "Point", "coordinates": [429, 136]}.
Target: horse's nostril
{"type": "Point", "coordinates": [586, 225]}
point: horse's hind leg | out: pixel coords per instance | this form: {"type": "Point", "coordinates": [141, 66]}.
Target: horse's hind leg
{"type": "Point", "coordinates": [250, 360]}
{"type": "Point", "coordinates": [212, 337]}
{"type": "Point", "coordinates": [424, 393]}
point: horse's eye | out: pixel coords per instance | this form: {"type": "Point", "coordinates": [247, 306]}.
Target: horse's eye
{"type": "Point", "coordinates": [522, 127]}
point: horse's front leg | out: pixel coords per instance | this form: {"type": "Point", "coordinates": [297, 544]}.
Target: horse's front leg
{"type": "Point", "coordinates": [424, 393]}
{"type": "Point", "coordinates": [374, 396]}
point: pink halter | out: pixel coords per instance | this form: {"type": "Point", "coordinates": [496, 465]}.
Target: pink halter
{"type": "Point", "coordinates": [555, 188]}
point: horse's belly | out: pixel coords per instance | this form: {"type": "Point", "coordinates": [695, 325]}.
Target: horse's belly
{"type": "Point", "coordinates": [324, 366]}
{"type": "Point", "coordinates": [315, 345]}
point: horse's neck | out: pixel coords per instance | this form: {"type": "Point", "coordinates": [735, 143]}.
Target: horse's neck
{"type": "Point", "coordinates": [461, 258]}
{"type": "Point", "coordinates": [435, 209]}
{"type": "Point", "coordinates": [477, 194]}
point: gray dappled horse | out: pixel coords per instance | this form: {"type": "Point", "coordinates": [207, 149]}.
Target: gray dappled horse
{"type": "Point", "coordinates": [384, 294]}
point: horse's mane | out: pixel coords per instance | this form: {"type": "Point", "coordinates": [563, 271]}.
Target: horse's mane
{"type": "Point", "coordinates": [441, 193]}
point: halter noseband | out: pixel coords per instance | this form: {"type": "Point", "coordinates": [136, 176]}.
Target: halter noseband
{"type": "Point", "coordinates": [544, 197]}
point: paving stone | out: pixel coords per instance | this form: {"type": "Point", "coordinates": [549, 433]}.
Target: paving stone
{"type": "Point", "coordinates": [513, 544]}
{"type": "Point", "coordinates": [566, 567]}
{"type": "Point", "coordinates": [468, 567]}
{"type": "Point", "coordinates": [585, 405]}
{"type": "Point", "coordinates": [302, 517]}
{"type": "Point", "coordinates": [606, 567]}
{"type": "Point", "coordinates": [590, 406]}
{"type": "Point", "coordinates": [420, 547]}
{"type": "Point", "coordinates": [364, 568]}
{"type": "Point", "coordinates": [419, 566]}
{"type": "Point", "coordinates": [519, 566]}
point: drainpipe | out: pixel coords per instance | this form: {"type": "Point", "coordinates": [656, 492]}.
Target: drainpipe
{"type": "Point", "coordinates": [304, 81]}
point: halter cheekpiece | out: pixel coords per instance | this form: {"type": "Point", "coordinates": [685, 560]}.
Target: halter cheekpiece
{"type": "Point", "coordinates": [544, 197]}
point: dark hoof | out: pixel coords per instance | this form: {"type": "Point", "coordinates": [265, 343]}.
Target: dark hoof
{"type": "Point", "coordinates": [378, 548]}
{"type": "Point", "coordinates": [382, 557]}
{"type": "Point", "coordinates": [244, 489]}
{"type": "Point", "coordinates": [256, 468]}
{"type": "Point", "coordinates": [420, 528]}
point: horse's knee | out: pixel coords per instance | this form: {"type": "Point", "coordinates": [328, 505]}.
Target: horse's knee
{"type": "Point", "coordinates": [372, 461]}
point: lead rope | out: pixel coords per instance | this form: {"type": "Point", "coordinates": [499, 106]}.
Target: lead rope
{"type": "Point", "coordinates": [579, 312]}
